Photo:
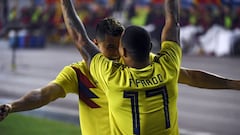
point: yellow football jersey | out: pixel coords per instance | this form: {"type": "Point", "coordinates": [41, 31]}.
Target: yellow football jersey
{"type": "Point", "coordinates": [141, 101]}
{"type": "Point", "coordinates": [93, 106]}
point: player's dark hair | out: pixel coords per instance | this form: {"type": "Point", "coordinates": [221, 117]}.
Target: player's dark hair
{"type": "Point", "coordinates": [108, 26]}
{"type": "Point", "coordinates": [137, 42]}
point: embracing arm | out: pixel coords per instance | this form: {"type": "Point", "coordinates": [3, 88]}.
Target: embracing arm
{"type": "Point", "coordinates": [77, 31]}
{"type": "Point", "coordinates": [32, 100]}
{"type": "Point", "coordinates": [171, 29]}
{"type": "Point", "coordinates": [203, 79]}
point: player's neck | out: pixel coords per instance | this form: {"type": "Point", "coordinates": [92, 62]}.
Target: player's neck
{"type": "Point", "coordinates": [137, 64]}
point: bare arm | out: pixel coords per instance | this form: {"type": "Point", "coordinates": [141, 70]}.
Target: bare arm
{"type": "Point", "coordinates": [203, 79]}
{"type": "Point", "coordinates": [32, 100]}
{"type": "Point", "coordinates": [171, 29]}
{"type": "Point", "coordinates": [77, 31]}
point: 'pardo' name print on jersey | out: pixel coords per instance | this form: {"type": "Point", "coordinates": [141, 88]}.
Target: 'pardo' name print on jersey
{"type": "Point", "coordinates": [146, 82]}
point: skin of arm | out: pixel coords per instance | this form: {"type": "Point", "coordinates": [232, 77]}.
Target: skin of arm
{"type": "Point", "coordinates": [32, 100]}
{"type": "Point", "coordinates": [171, 29]}
{"type": "Point", "coordinates": [195, 78]}
{"type": "Point", "coordinates": [77, 31]}
{"type": "Point", "coordinates": [203, 79]}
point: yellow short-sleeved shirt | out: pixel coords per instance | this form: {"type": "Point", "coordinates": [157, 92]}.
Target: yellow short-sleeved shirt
{"type": "Point", "coordinates": [93, 106]}
{"type": "Point", "coordinates": [141, 101]}
{"type": "Point", "coordinates": [93, 111]}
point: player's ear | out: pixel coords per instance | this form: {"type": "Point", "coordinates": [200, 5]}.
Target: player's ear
{"type": "Point", "coordinates": [95, 41]}
{"type": "Point", "coordinates": [151, 44]}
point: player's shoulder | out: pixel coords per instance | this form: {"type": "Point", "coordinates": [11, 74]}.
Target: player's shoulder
{"type": "Point", "coordinates": [80, 68]}
{"type": "Point", "coordinates": [73, 67]}
{"type": "Point", "coordinates": [106, 63]}
{"type": "Point", "coordinates": [170, 44]}
{"type": "Point", "coordinates": [79, 65]}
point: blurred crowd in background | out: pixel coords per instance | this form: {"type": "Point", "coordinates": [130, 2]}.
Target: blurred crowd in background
{"type": "Point", "coordinates": [208, 27]}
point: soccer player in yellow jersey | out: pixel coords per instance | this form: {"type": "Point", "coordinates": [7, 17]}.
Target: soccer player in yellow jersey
{"type": "Point", "coordinates": [75, 78]}
{"type": "Point", "coordinates": [142, 94]}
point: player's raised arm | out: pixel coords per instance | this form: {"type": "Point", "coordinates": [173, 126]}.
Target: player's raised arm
{"type": "Point", "coordinates": [203, 79]}
{"type": "Point", "coordinates": [77, 31]}
{"type": "Point", "coordinates": [171, 28]}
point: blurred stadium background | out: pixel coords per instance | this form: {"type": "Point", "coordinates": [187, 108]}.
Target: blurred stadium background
{"type": "Point", "coordinates": [209, 27]}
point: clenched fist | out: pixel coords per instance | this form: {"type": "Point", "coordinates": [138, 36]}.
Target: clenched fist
{"type": "Point", "coordinates": [4, 111]}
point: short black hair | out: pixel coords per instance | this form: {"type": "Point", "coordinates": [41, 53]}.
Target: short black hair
{"type": "Point", "coordinates": [108, 26]}
{"type": "Point", "coordinates": [137, 42]}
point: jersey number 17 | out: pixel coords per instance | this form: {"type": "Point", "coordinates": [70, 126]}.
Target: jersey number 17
{"type": "Point", "coordinates": [133, 95]}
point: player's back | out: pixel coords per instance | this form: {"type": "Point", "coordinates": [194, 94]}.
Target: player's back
{"type": "Point", "coordinates": [148, 106]}
{"type": "Point", "coordinates": [141, 101]}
